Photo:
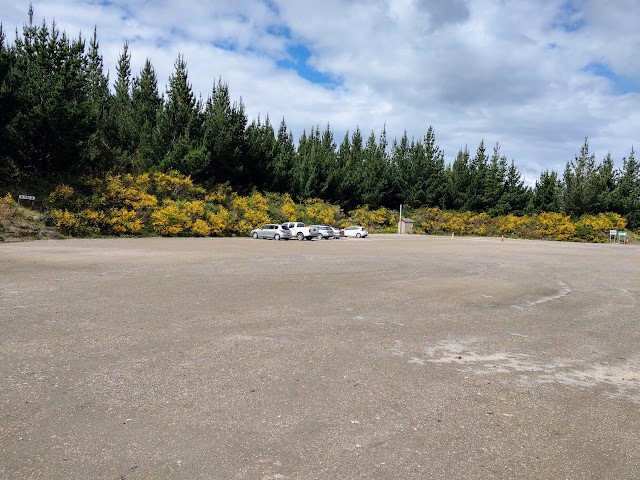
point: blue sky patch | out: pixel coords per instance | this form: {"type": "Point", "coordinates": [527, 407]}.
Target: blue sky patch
{"type": "Point", "coordinates": [569, 18]}
{"type": "Point", "coordinates": [279, 31]}
{"type": "Point", "coordinates": [225, 44]}
{"type": "Point", "coordinates": [298, 60]}
{"type": "Point", "coordinates": [619, 83]}
{"type": "Point", "coordinates": [271, 5]}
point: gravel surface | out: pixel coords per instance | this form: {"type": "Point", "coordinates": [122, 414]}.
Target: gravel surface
{"type": "Point", "coordinates": [379, 358]}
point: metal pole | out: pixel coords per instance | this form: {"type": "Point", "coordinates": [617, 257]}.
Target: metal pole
{"type": "Point", "coordinates": [400, 220]}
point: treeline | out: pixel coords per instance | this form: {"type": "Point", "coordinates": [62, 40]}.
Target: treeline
{"type": "Point", "coordinates": [60, 121]}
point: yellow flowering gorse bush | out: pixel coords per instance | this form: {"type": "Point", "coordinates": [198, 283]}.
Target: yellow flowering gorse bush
{"type": "Point", "coordinates": [289, 209]}
{"type": "Point", "coordinates": [170, 220]}
{"type": "Point", "coordinates": [373, 219]}
{"type": "Point", "coordinates": [170, 204]}
{"type": "Point", "coordinates": [125, 221]}
{"type": "Point", "coordinates": [66, 221]}
{"type": "Point", "coordinates": [320, 212]}
{"type": "Point", "coordinates": [248, 213]}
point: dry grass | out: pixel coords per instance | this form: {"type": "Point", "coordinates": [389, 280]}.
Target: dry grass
{"type": "Point", "coordinates": [18, 223]}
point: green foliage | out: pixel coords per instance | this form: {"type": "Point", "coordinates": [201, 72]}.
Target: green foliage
{"type": "Point", "coordinates": [50, 117]}
{"type": "Point", "coordinates": [279, 170]}
{"type": "Point", "coordinates": [626, 195]}
{"type": "Point", "coordinates": [224, 138]}
{"type": "Point", "coordinates": [581, 183]}
{"type": "Point", "coordinates": [546, 194]}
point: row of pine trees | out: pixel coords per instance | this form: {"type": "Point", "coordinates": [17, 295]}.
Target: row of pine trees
{"type": "Point", "coordinates": [61, 121]}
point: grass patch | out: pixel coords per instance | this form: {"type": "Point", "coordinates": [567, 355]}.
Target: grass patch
{"type": "Point", "coordinates": [18, 223]}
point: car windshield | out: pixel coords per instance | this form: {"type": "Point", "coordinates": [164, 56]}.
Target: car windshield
{"type": "Point", "coordinates": [284, 227]}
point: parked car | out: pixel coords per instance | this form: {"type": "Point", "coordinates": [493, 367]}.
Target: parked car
{"type": "Point", "coordinates": [272, 230]}
{"type": "Point", "coordinates": [337, 233]}
{"type": "Point", "coordinates": [355, 231]}
{"type": "Point", "coordinates": [324, 231]}
{"type": "Point", "coordinates": [299, 231]}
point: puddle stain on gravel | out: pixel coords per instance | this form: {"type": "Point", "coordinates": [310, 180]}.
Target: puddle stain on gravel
{"type": "Point", "coordinates": [562, 290]}
{"type": "Point", "coordinates": [622, 379]}
{"type": "Point", "coordinates": [257, 339]}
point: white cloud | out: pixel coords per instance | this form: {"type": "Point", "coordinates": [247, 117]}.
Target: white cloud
{"type": "Point", "coordinates": [493, 70]}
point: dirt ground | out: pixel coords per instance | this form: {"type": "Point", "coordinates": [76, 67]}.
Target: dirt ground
{"type": "Point", "coordinates": [379, 358]}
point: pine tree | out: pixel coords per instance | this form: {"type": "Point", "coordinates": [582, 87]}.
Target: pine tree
{"type": "Point", "coordinates": [580, 190]}
{"type": "Point", "coordinates": [261, 148]}
{"type": "Point", "coordinates": [99, 156]}
{"type": "Point", "coordinates": [310, 159]}
{"type": "Point", "coordinates": [495, 183]}
{"type": "Point", "coordinates": [343, 157]}
{"type": "Point", "coordinates": [418, 169]}
{"type": "Point", "coordinates": [178, 118]}
{"type": "Point", "coordinates": [52, 121]}
{"type": "Point", "coordinates": [123, 130]}
{"type": "Point", "coordinates": [299, 171]}
{"type": "Point", "coordinates": [225, 138]}
{"type": "Point", "coordinates": [626, 197]}
{"type": "Point", "coordinates": [435, 190]}
{"type": "Point", "coordinates": [459, 181]}
{"type": "Point", "coordinates": [516, 195]}
{"type": "Point", "coordinates": [327, 163]}
{"type": "Point", "coordinates": [280, 169]}
{"type": "Point", "coordinates": [402, 171]}
{"type": "Point", "coordinates": [147, 106]}
{"type": "Point", "coordinates": [351, 184]}
{"type": "Point", "coordinates": [375, 173]}
{"type": "Point", "coordinates": [478, 169]}
{"type": "Point", "coordinates": [8, 107]}
{"type": "Point", "coordinates": [179, 126]}
{"type": "Point", "coordinates": [546, 193]}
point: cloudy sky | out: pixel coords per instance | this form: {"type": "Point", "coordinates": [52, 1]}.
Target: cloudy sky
{"type": "Point", "coordinates": [535, 76]}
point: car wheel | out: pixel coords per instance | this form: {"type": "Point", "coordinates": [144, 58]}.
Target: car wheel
{"type": "Point", "coordinates": [300, 236]}
{"type": "Point", "coordinates": [358, 235]}
{"type": "Point", "coordinates": [255, 235]}
{"type": "Point", "coordinates": [276, 237]}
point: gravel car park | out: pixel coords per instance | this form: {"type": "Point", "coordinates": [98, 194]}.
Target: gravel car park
{"type": "Point", "coordinates": [399, 357]}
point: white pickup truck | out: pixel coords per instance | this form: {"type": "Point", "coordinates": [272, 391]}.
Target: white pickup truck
{"type": "Point", "coordinates": [301, 232]}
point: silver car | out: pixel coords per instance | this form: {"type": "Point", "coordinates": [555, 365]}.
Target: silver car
{"type": "Point", "coordinates": [324, 232]}
{"type": "Point", "coordinates": [272, 230]}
